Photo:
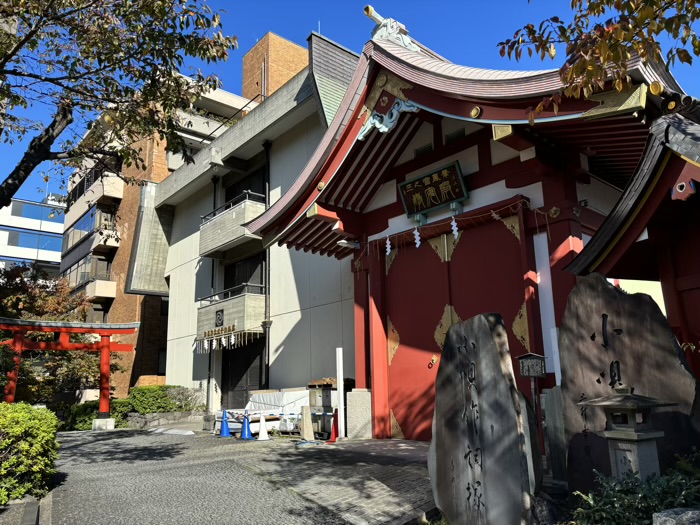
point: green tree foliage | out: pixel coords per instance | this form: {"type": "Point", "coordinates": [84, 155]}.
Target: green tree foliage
{"type": "Point", "coordinates": [27, 450]}
{"type": "Point", "coordinates": [116, 59]}
{"type": "Point", "coordinates": [27, 293]}
{"type": "Point", "coordinates": [605, 34]}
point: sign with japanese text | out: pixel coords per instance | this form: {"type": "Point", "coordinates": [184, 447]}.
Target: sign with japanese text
{"type": "Point", "coordinates": [433, 190]}
{"type": "Point", "coordinates": [532, 365]}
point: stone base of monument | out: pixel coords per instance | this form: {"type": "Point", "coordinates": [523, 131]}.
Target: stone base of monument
{"type": "Point", "coordinates": [359, 414]}
{"type": "Point", "coordinates": [633, 452]}
{"type": "Point", "coordinates": [103, 424]}
{"type": "Point", "coordinates": [677, 517]}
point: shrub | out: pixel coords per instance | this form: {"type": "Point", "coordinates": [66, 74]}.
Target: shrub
{"type": "Point", "coordinates": [630, 501]}
{"type": "Point", "coordinates": [27, 450]}
{"type": "Point", "coordinates": [118, 409]}
{"type": "Point", "coordinates": [185, 399]}
{"type": "Point", "coordinates": [79, 417]}
{"type": "Point", "coordinates": [151, 399]}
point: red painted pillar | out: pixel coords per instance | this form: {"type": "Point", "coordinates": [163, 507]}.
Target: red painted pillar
{"type": "Point", "coordinates": [362, 359]}
{"type": "Point", "coordinates": [381, 424]}
{"type": "Point", "coordinates": [11, 386]}
{"type": "Point", "coordinates": [104, 377]}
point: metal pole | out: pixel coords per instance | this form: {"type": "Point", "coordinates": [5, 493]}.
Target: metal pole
{"type": "Point", "coordinates": [267, 322]}
{"type": "Point", "coordinates": [341, 392]}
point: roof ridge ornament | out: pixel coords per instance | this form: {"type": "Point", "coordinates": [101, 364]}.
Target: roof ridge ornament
{"type": "Point", "coordinates": [385, 123]}
{"type": "Point", "coordinates": [390, 29]}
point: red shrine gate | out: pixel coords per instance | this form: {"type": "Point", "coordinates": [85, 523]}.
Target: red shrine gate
{"type": "Point", "coordinates": [105, 346]}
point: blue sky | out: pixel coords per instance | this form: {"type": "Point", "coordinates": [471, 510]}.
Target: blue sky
{"type": "Point", "coordinates": [464, 32]}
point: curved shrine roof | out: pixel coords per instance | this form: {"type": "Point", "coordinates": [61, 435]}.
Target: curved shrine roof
{"type": "Point", "coordinates": [422, 68]}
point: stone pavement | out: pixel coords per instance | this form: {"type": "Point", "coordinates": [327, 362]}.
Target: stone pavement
{"type": "Point", "coordinates": [157, 478]}
{"type": "Point", "coordinates": [20, 512]}
{"type": "Point", "coordinates": [364, 482]}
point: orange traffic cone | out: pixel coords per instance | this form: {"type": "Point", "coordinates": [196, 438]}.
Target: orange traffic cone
{"type": "Point", "coordinates": [334, 428]}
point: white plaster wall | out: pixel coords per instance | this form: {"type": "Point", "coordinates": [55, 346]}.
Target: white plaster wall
{"type": "Point", "coordinates": [311, 296]}
{"type": "Point", "coordinates": [450, 125]}
{"type": "Point", "coordinates": [423, 137]}
{"type": "Point", "coordinates": [311, 308]}
{"type": "Point", "coordinates": [290, 153]}
{"type": "Point", "coordinates": [385, 195]}
{"type": "Point", "coordinates": [601, 197]}
{"type": "Point", "coordinates": [303, 343]}
{"type": "Point", "coordinates": [190, 279]}
{"type": "Point", "coordinates": [501, 153]}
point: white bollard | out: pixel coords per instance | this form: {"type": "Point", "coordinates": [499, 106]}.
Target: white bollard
{"type": "Point", "coordinates": [341, 393]}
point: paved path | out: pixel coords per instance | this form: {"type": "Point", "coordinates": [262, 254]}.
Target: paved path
{"type": "Point", "coordinates": [132, 477]}
{"type": "Point", "coordinates": [364, 482]}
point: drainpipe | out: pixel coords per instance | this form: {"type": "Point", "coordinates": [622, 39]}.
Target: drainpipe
{"type": "Point", "coordinates": [215, 182]}
{"type": "Point", "coordinates": [267, 322]}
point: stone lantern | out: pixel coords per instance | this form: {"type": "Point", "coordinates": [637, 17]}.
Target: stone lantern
{"type": "Point", "coordinates": [631, 439]}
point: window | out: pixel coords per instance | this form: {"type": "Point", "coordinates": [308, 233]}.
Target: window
{"type": "Point", "coordinates": [162, 360]}
{"type": "Point", "coordinates": [247, 271]}
{"type": "Point", "coordinates": [40, 212]}
{"type": "Point", "coordinates": [28, 239]}
{"type": "Point", "coordinates": [87, 269]}
{"type": "Point", "coordinates": [93, 220]}
{"type": "Point", "coordinates": [254, 182]}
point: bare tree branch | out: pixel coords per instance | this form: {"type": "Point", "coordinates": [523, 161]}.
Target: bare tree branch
{"type": "Point", "coordinates": [38, 151]}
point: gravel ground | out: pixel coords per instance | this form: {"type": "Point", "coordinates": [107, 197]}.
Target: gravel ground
{"type": "Point", "coordinates": [130, 477]}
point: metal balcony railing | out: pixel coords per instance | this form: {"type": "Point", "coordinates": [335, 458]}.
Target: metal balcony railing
{"type": "Point", "coordinates": [85, 278]}
{"type": "Point", "coordinates": [241, 289]}
{"type": "Point", "coordinates": [243, 197]}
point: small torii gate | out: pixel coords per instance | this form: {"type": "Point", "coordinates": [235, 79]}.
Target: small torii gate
{"type": "Point", "coordinates": [105, 346]}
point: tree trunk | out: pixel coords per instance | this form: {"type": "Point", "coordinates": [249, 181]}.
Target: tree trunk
{"type": "Point", "coordinates": [38, 151]}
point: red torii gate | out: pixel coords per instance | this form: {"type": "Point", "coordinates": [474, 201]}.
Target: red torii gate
{"type": "Point", "coordinates": [105, 346]}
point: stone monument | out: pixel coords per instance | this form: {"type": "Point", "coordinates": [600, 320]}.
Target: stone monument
{"type": "Point", "coordinates": [608, 338]}
{"type": "Point", "coordinates": [480, 462]}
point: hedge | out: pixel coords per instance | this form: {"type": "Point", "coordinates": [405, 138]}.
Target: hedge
{"type": "Point", "coordinates": [142, 399]}
{"type": "Point", "coordinates": [80, 417]}
{"type": "Point", "coordinates": [151, 399]}
{"type": "Point", "coordinates": [28, 450]}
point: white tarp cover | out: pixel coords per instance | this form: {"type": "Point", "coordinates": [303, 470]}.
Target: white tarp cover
{"type": "Point", "coordinates": [285, 405]}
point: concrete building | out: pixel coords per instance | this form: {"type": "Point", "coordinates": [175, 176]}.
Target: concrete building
{"type": "Point", "coordinates": [30, 232]}
{"type": "Point", "coordinates": [243, 317]}
{"type": "Point", "coordinates": [108, 239]}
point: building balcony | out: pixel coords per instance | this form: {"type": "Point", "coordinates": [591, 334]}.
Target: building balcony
{"type": "Point", "coordinates": [97, 285]}
{"type": "Point", "coordinates": [224, 228]}
{"type": "Point", "coordinates": [241, 307]}
{"type": "Point", "coordinates": [101, 288]}
{"type": "Point", "coordinates": [95, 188]}
{"type": "Point", "coordinates": [99, 239]}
